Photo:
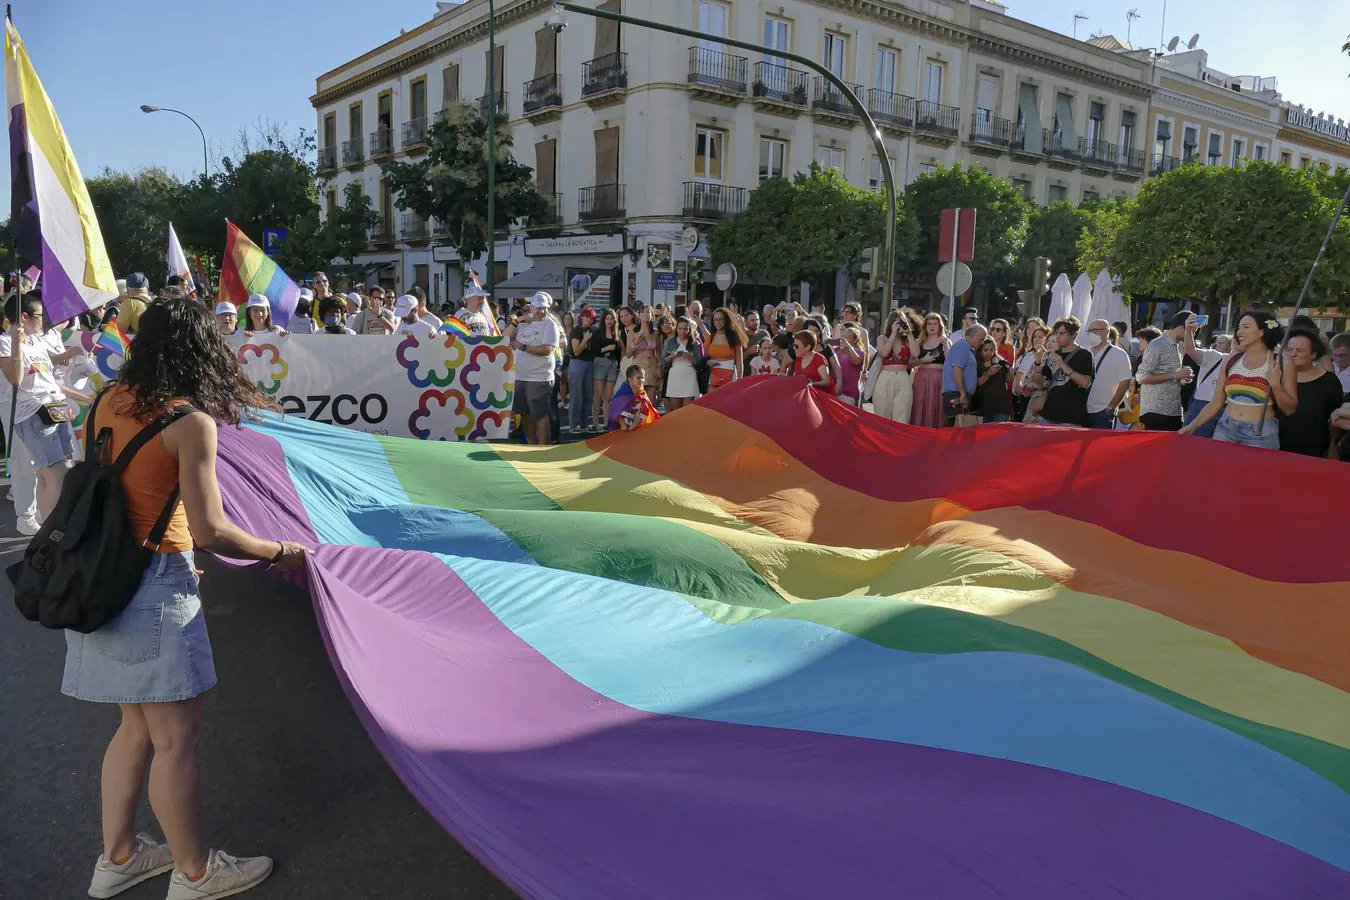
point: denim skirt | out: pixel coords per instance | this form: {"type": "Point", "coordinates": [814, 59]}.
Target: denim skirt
{"type": "Point", "coordinates": [154, 651]}
{"type": "Point", "coordinates": [1232, 431]}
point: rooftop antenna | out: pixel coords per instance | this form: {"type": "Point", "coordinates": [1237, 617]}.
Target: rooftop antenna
{"type": "Point", "coordinates": [1129, 23]}
{"type": "Point", "coordinates": [1195, 39]}
{"type": "Point", "coordinates": [1077, 17]}
{"type": "Point", "coordinates": [1172, 44]}
{"type": "Point", "coordinates": [1162, 29]}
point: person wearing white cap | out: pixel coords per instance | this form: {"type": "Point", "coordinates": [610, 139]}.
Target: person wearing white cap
{"type": "Point", "coordinates": [258, 309]}
{"type": "Point", "coordinates": [423, 313]}
{"type": "Point", "coordinates": [535, 343]}
{"type": "Point", "coordinates": [474, 313]}
{"type": "Point", "coordinates": [302, 320]}
{"type": "Point", "coordinates": [405, 310]}
{"type": "Point", "coordinates": [227, 316]}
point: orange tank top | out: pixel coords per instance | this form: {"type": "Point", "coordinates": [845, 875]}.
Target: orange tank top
{"type": "Point", "coordinates": [720, 349]}
{"type": "Point", "coordinates": [149, 478]}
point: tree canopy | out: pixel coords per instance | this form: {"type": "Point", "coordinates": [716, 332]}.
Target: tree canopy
{"type": "Point", "coordinates": [1001, 223]}
{"type": "Point", "coordinates": [804, 227]}
{"type": "Point", "coordinates": [450, 183]}
{"type": "Point", "coordinates": [1053, 232]}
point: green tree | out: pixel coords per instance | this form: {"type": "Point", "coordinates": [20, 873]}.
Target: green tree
{"type": "Point", "coordinates": [450, 183]}
{"type": "Point", "coordinates": [1001, 223]}
{"type": "Point", "coordinates": [348, 226]}
{"type": "Point", "coordinates": [807, 228]}
{"type": "Point", "coordinates": [134, 212]}
{"type": "Point", "coordinates": [1053, 232]}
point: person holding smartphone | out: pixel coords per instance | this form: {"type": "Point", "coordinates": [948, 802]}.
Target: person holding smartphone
{"type": "Point", "coordinates": [681, 355]}
{"type": "Point", "coordinates": [1161, 376]}
{"type": "Point", "coordinates": [897, 347]}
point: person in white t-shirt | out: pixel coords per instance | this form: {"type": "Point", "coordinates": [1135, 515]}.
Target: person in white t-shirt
{"type": "Point", "coordinates": [1340, 359]}
{"type": "Point", "coordinates": [1210, 377]}
{"type": "Point", "coordinates": [535, 343]}
{"type": "Point", "coordinates": [1111, 375]}
{"type": "Point", "coordinates": [423, 313]}
{"type": "Point", "coordinates": [405, 310]}
{"type": "Point", "coordinates": [475, 312]}
{"type": "Point", "coordinates": [41, 408]}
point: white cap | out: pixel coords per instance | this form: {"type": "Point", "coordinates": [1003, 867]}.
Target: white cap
{"type": "Point", "coordinates": [306, 294]}
{"type": "Point", "coordinates": [474, 290]}
{"type": "Point", "coordinates": [226, 308]}
{"type": "Point", "coordinates": [404, 306]}
{"type": "Point", "coordinates": [542, 300]}
{"type": "Point", "coordinates": [258, 300]}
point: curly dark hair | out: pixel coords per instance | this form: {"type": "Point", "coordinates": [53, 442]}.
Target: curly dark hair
{"type": "Point", "coordinates": [179, 353]}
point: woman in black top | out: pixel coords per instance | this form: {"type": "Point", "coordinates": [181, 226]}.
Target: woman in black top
{"type": "Point", "coordinates": [992, 400]}
{"type": "Point", "coordinates": [1307, 430]}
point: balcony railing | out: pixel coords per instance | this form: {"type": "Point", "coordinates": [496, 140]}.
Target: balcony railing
{"type": "Point", "coordinates": [382, 142]}
{"type": "Point", "coordinates": [1024, 140]}
{"type": "Point", "coordinates": [990, 131]}
{"type": "Point", "coordinates": [411, 225]}
{"type": "Point", "coordinates": [826, 96]}
{"type": "Point", "coordinates": [890, 109]}
{"type": "Point", "coordinates": [382, 231]}
{"type": "Point", "coordinates": [604, 73]}
{"type": "Point", "coordinates": [542, 93]}
{"type": "Point", "coordinates": [1056, 146]}
{"type": "Point", "coordinates": [552, 214]}
{"type": "Point", "coordinates": [712, 201]}
{"type": "Point", "coordinates": [414, 132]}
{"type": "Point", "coordinates": [1130, 161]}
{"type": "Point", "coordinates": [775, 82]}
{"type": "Point", "coordinates": [1100, 154]}
{"type": "Point", "coordinates": [327, 157]}
{"type": "Point", "coordinates": [352, 151]}
{"type": "Point", "coordinates": [496, 104]}
{"type": "Point", "coordinates": [1162, 164]}
{"type": "Point", "coordinates": [602, 201]}
{"type": "Point", "coordinates": [719, 70]}
{"type": "Point", "coordinates": [1214, 159]}
{"type": "Point", "coordinates": [936, 118]}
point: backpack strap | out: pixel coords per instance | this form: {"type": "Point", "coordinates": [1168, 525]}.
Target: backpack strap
{"type": "Point", "coordinates": [144, 436]}
{"type": "Point", "coordinates": [156, 535]}
{"type": "Point", "coordinates": [97, 442]}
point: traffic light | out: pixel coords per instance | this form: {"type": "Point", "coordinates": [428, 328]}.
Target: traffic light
{"type": "Point", "coordinates": [696, 272]}
{"type": "Point", "coordinates": [1040, 275]}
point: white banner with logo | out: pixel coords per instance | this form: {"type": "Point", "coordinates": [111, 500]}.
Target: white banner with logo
{"type": "Point", "coordinates": [446, 388]}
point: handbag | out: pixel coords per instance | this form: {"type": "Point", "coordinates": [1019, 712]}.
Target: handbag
{"type": "Point", "coordinates": [965, 420]}
{"type": "Point", "coordinates": [870, 380]}
{"type": "Point", "coordinates": [54, 413]}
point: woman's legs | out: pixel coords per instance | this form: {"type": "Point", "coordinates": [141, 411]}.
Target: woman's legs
{"type": "Point", "coordinates": [904, 398]}
{"type": "Point", "coordinates": [883, 394]}
{"type": "Point", "coordinates": [674, 403]}
{"type": "Point", "coordinates": [599, 405]}
{"type": "Point", "coordinates": [124, 765]}
{"type": "Point", "coordinates": [175, 796]}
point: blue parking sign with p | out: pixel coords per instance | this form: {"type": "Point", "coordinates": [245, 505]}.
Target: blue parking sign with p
{"type": "Point", "coordinates": [273, 238]}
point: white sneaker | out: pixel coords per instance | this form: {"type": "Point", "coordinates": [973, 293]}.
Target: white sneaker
{"type": "Point", "coordinates": [27, 525]}
{"type": "Point", "coordinates": [225, 876]}
{"type": "Point", "coordinates": [150, 858]}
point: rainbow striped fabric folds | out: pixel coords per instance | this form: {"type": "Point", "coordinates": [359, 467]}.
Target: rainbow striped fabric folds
{"type": "Point", "coordinates": [246, 270]}
{"type": "Point", "coordinates": [773, 647]}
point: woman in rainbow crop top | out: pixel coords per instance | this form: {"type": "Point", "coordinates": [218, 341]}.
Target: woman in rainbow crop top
{"type": "Point", "coordinates": [1254, 381]}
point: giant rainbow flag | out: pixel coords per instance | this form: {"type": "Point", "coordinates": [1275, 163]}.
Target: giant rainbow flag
{"type": "Point", "coordinates": [772, 647]}
{"type": "Point", "coordinates": [246, 270]}
{"type": "Point", "coordinates": [53, 220]}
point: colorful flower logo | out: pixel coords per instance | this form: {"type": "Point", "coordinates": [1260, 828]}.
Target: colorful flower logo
{"type": "Point", "coordinates": [264, 365]}
{"type": "Point", "coordinates": [449, 415]}
{"type": "Point", "coordinates": [437, 356]}
{"type": "Point", "coordinates": [485, 376]}
{"type": "Point", "coordinates": [499, 419]}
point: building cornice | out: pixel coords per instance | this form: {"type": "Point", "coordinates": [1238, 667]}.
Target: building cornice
{"type": "Point", "coordinates": [1028, 56]}
{"type": "Point", "coordinates": [1311, 140]}
{"type": "Point", "coordinates": [899, 17]}
{"type": "Point", "coordinates": [470, 34]}
{"type": "Point", "coordinates": [1249, 122]}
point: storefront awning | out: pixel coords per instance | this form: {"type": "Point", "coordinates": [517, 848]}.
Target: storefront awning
{"type": "Point", "coordinates": [544, 275]}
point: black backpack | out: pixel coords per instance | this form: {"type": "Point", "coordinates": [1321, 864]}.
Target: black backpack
{"type": "Point", "coordinates": [85, 564]}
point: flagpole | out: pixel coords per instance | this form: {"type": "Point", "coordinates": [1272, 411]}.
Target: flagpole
{"type": "Point", "coordinates": [17, 329]}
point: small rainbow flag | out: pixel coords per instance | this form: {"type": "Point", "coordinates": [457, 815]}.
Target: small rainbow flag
{"type": "Point", "coordinates": [112, 338]}
{"type": "Point", "coordinates": [247, 270]}
{"type": "Point", "coordinates": [455, 325]}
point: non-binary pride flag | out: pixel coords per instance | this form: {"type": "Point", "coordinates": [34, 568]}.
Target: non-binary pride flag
{"type": "Point", "coordinates": [51, 213]}
{"type": "Point", "coordinates": [772, 646]}
{"type": "Point", "coordinates": [247, 270]}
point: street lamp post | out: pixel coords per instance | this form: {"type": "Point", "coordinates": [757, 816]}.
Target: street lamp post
{"type": "Point", "coordinates": [206, 166]}
{"type": "Point", "coordinates": [491, 112]}
{"type": "Point", "coordinates": [858, 106]}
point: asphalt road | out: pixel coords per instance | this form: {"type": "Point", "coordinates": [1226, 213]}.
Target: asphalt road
{"type": "Point", "coordinates": [286, 767]}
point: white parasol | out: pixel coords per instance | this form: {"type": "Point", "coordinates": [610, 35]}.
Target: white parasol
{"type": "Point", "coordinates": [1082, 299]}
{"type": "Point", "coordinates": [1108, 303]}
{"type": "Point", "coordinates": [1061, 299]}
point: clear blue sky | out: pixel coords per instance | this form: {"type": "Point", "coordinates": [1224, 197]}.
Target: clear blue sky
{"type": "Point", "coordinates": [231, 63]}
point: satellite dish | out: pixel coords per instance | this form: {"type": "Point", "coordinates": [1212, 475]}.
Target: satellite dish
{"type": "Point", "coordinates": [1172, 44]}
{"type": "Point", "coordinates": [1195, 39]}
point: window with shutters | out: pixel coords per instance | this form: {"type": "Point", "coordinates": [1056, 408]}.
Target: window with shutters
{"type": "Point", "coordinates": [876, 181]}
{"type": "Point", "coordinates": [546, 166]}
{"type": "Point", "coordinates": [449, 85]}
{"type": "Point", "coordinates": [777, 34]}
{"type": "Point", "coordinates": [932, 81]}
{"type": "Point", "coordinates": [545, 52]}
{"type": "Point", "coordinates": [417, 99]}
{"type": "Point", "coordinates": [835, 53]}
{"type": "Point", "coordinates": [1215, 154]}
{"type": "Point", "coordinates": [1162, 142]}
{"type": "Point", "coordinates": [607, 30]}
{"type": "Point", "coordinates": [1239, 151]}
{"type": "Point", "coordinates": [1190, 142]}
{"type": "Point", "coordinates": [607, 156]}
{"type": "Point", "coordinates": [1056, 193]}
{"type": "Point", "coordinates": [1096, 124]}
{"type": "Point", "coordinates": [708, 146]}
{"type": "Point", "coordinates": [1127, 121]}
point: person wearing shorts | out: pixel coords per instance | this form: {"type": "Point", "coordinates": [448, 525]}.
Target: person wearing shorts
{"type": "Point", "coordinates": [534, 344]}
{"type": "Point", "coordinates": [42, 411]}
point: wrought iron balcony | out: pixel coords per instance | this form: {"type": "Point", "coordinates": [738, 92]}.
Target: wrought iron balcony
{"type": "Point", "coordinates": [827, 98]}
{"type": "Point", "coordinates": [935, 118]}
{"type": "Point", "coordinates": [414, 132]}
{"type": "Point", "coordinates": [327, 158]}
{"type": "Point", "coordinates": [352, 152]}
{"type": "Point", "coordinates": [412, 226]}
{"type": "Point", "coordinates": [990, 131]}
{"type": "Point", "coordinates": [1097, 154]}
{"type": "Point", "coordinates": [1024, 140]}
{"type": "Point", "coordinates": [1057, 147]}
{"type": "Point", "coordinates": [1162, 165]}
{"type": "Point", "coordinates": [382, 142]}
{"type": "Point", "coordinates": [382, 231]}
{"type": "Point", "coordinates": [496, 104]}
{"type": "Point", "coordinates": [713, 201]}
{"type": "Point", "coordinates": [714, 69]}
{"type": "Point", "coordinates": [1130, 162]}
{"type": "Point", "coordinates": [895, 110]}
{"type": "Point", "coordinates": [780, 84]}
{"type": "Point", "coordinates": [604, 74]}
{"type": "Point", "coordinates": [601, 201]}
{"type": "Point", "coordinates": [544, 92]}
